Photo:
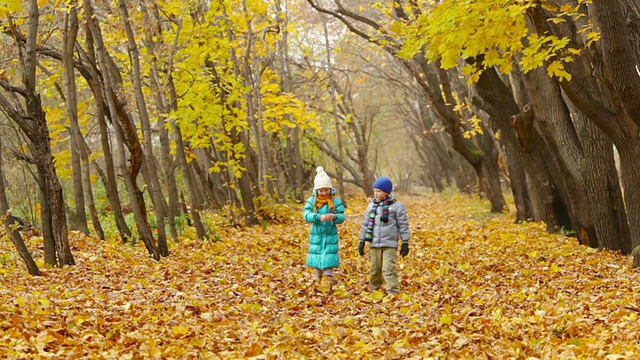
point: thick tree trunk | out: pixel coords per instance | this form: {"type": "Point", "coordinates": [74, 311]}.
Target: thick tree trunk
{"type": "Point", "coordinates": [589, 93]}
{"type": "Point", "coordinates": [601, 181]}
{"type": "Point", "coordinates": [56, 215]}
{"type": "Point", "coordinates": [630, 170]}
{"type": "Point", "coordinates": [554, 121]}
{"type": "Point", "coordinates": [619, 57]}
{"type": "Point", "coordinates": [49, 247]}
{"type": "Point", "coordinates": [499, 103]}
{"type": "Point", "coordinates": [514, 159]}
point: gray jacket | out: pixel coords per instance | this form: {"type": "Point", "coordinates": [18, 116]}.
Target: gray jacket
{"type": "Point", "coordinates": [387, 234]}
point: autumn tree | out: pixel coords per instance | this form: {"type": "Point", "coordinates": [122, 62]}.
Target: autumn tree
{"type": "Point", "coordinates": [381, 27]}
{"type": "Point", "coordinates": [11, 226]}
{"type": "Point", "coordinates": [548, 104]}
{"type": "Point", "coordinates": [22, 103]}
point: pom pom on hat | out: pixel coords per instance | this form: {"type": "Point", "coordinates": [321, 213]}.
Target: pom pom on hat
{"type": "Point", "coordinates": [322, 180]}
{"type": "Point", "coordinates": [384, 184]}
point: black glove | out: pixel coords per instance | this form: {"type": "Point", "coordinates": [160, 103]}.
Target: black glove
{"type": "Point", "coordinates": [404, 251]}
{"type": "Point", "coordinates": [361, 248]}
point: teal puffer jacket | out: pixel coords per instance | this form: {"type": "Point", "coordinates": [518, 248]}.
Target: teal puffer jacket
{"type": "Point", "coordinates": [323, 238]}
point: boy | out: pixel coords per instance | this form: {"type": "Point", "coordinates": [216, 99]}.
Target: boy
{"type": "Point", "coordinates": [385, 220]}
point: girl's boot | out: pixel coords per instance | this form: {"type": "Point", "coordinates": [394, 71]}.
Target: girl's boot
{"type": "Point", "coordinates": [318, 277]}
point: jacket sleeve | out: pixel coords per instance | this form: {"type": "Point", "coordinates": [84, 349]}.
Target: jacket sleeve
{"type": "Point", "coordinates": [339, 211]}
{"type": "Point", "coordinates": [403, 223]}
{"type": "Point", "coordinates": [365, 222]}
{"type": "Point", "coordinates": [308, 214]}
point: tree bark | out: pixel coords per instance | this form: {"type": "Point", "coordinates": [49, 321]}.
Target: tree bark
{"type": "Point", "coordinates": [88, 188]}
{"type": "Point", "coordinates": [108, 176]}
{"type": "Point", "coordinates": [292, 170]}
{"type": "Point", "coordinates": [124, 131]}
{"type": "Point", "coordinates": [32, 121]}
{"type": "Point", "coordinates": [154, 32]}
{"type": "Point", "coordinates": [554, 121]}
{"type": "Point", "coordinates": [10, 225]}
{"type": "Point", "coordinates": [78, 215]}
{"type": "Point", "coordinates": [589, 93]}
{"type": "Point", "coordinates": [619, 58]}
{"type": "Point", "coordinates": [499, 103]}
{"type": "Point", "coordinates": [601, 181]}
{"type": "Point", "coordinates": [148, 160]}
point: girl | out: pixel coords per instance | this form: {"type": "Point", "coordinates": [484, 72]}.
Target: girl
{"type": "Point", "coordinates": [324, 210]}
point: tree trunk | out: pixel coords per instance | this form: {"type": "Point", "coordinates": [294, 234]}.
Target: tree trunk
{"type": "Point", "coordinates": [603, 186]}
{"type": "Point", "coordinates": [149, 166]}
{"type": "Point", "coordinates": [334, 111]}
{"type": "Point", "coordinates": [588, 91]}
{"type": "Point", "coordinates": [484, 164]}
{"type": "Point", "coordinates": [292, 171]}
{"type": "Point", "coordinates": [124, 127]}
{"type": "Point", "coordinates": [153, 32]}
{"type": "Point", "coordinates": [181, 156]}
{"type": "Point", "coordinates": [88, 188]}
{"type": "Point", "coordinates": [70, 34]}
{"type": "Point", "coordinates": [10, 227]}
{"type": "Point", "coordinates": [619, 57]}
{"type": "Point", "coordinates": [498, 102]}
{"type": "Point", "coordinates": [245, 185]}
{"type": "Point", "coordinates": [108, 176]}
{"type": "Point", "coordinates": [554, 121]}
{"type": "Point", "coordinates": [629, 155]}
{"type": "Point", "coordinates": [32, 121]}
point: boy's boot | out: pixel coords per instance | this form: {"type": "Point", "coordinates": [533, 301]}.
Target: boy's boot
{"type": "Point", "coordinates": [330, 278]}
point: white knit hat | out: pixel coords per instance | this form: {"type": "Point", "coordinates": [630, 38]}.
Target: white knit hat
{"type": "Point", "coordinates": [322, 180]}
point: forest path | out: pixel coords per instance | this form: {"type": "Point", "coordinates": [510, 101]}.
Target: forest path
{"type": "Point", "coordinates": [474, 285]}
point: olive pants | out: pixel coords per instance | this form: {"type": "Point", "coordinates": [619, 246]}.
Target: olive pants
{"type": "Point", "coordinates": [383, 265]}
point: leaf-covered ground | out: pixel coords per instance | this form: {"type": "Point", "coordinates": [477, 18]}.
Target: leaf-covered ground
{"type": "Point", "coordinates": [474, 286]}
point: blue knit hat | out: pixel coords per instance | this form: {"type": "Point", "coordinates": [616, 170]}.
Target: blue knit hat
{"type": "Point", "coordinates": [384, 184]}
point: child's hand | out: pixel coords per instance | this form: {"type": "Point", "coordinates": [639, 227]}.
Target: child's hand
{"type": "Point", "coordinates": [326, 217]}
{"type": "Point", "coordinates": [404, 251]}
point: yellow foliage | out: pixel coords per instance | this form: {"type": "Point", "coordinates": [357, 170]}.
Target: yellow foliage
{"type": "Point", "coordinates": [491, 31]}
{"type": "Point", "coordinates": [9, 6]}
{"type": "Point", "coordinates": [556, 69]}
